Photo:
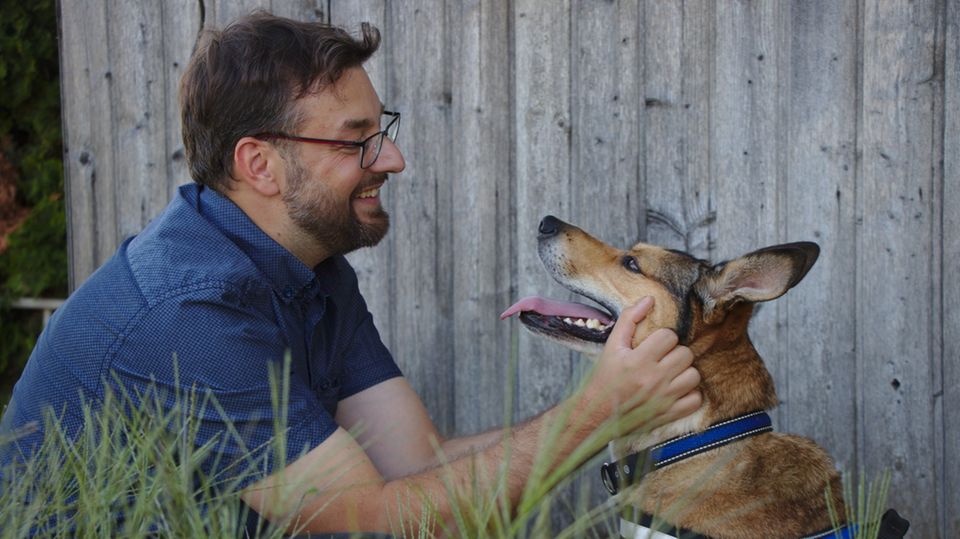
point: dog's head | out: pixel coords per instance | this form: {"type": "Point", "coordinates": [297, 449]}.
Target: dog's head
{"type": "Point", "coordinates": [691, 296]}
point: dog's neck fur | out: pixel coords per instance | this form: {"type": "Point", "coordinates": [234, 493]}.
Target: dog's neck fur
{"type": "Point", "coordinates": [734, 381]}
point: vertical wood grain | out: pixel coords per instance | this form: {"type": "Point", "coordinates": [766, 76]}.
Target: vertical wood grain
{"type": "Point", "coordinates": [301, 10]}
{"type": "Point", "coordinates": [676, 100]}
{"type": "Point", "coordinates": [222, 12]}
{"type": "Point", "coordinates": [817, 375]}
{"type": "Point", "coordinates": [606, 195]}
{"type": "Point", "coordinates": [542, 122]}
{"type": "Point", "coordinates": [894, 271]}
{"type": "Point", "coordinates": [421, 333]}
{"type": "Point", "coordinates": [139, 113]}
{"type": "Point", "coordinates": [481, 181]}
{"type": "Point", "coordinates": [948, 305]}
{"type": "Point", "coordinates": [180, 23]}
{"type": "Point", "coordinates": [86, 85]}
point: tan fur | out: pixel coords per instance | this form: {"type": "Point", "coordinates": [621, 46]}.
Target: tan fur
{"type": "Point", "coordinates": [771, 485]}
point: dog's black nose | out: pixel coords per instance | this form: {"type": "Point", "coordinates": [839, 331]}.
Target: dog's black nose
{"type": "Point", "coordinates": [549, 226]}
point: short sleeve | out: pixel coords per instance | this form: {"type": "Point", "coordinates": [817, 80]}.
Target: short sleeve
{"type": "Point", "coordinates": [210, 341]}
{"type": "Point", "coordinates": [366, 360]}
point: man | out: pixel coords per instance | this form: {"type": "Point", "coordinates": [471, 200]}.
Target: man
{"type": "Point", "coordinates": [289, 146]}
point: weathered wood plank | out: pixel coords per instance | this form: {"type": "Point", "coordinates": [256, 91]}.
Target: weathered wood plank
{"type": "Point", "coordinates": [301, 10]}
{"type": "Point", "coordinates": [818, 364]}
{"type": "Point", "coordinates": [219, 13]}
{"type": "Point", "coordinates": [138, 114]}
{"type": "Point", "coordinates": [744, 120]}
{"type": "Point", "coordinates": [679, 38]}
{"type": "Point", "coordinates": [87, 118]}
{"type": "Point", "coordinates": [606, 195]}
{"type": "Point", "coordinates": [949, 301]}
{"type": "Point", "coordinates": [894, 269]}
{"type": "Point", "coordinates": [180, 22]}
{"type": "Point", "coordinates": [481, 229]}
{"type": "Point", "coordinates": [422, 341]}
{"type": "Point", "coordinates": [542, 123]}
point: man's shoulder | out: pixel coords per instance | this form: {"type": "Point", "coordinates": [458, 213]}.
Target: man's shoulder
{"type": "Point", "coordinates": [180, 251]}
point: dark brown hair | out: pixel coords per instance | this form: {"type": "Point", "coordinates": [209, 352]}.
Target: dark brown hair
{"type": "Point", "coordinates": [244, 80]}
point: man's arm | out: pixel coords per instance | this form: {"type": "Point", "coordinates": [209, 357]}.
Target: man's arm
{"type": "Point", "coordinates": [337, 487]}
{"type": "Point", "coordinates": [391, 424]}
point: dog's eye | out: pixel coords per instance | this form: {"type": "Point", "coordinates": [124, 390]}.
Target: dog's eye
{"type": "Point", "coordinates": [631, 264]}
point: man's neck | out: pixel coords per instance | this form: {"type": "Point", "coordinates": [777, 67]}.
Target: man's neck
{"type": "Point", "coordinates": [270, 215]}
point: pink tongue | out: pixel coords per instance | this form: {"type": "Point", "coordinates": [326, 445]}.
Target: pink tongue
{"type": "Point", "coordinates": [555, 308]}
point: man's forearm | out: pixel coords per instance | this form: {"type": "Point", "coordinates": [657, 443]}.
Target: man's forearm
{"type": "Point", "coordinates": [457, 448]}
{"type": "Point", "coordinates": [482, 464]}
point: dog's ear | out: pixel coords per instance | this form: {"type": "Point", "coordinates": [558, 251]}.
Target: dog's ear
{"type": "Point", "coordinates": [758, 276]}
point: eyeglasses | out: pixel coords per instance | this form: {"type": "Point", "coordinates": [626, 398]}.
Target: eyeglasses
{"type": "Point", "coordinates": [369, 147]}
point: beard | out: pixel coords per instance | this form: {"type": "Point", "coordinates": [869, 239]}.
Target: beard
{"type": "Point", "coordinates": [333, 223]}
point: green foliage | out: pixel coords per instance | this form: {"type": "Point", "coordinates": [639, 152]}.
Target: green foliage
{"type": "Point", "coordinates": [35, 263]}
{"type": "Point", "coordinates": [134, 457]}
{"type": "Point", "coordinates": [34, 271]}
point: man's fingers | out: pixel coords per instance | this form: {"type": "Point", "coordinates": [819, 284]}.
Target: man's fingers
{"type": "Point", "coordinates": [677, 360]}
{"type": "Point", "coordinates": [657, 344]}
{"type": "Point", "coordinates": [626, 326]}
{"type": "Point", "coordinates": [683, 407]}
{"type": "Point", "coordinates": [685, 382]}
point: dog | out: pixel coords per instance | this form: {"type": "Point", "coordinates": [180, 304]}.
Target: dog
{"type": "Point", "coordinates": [720, 472]}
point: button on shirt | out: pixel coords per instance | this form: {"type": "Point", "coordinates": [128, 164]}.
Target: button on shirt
{"type": "Point", "coordinates": [204, 291]}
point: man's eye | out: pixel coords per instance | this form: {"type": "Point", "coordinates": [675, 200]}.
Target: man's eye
{"type": "Point", "coordinates": [631, 264]}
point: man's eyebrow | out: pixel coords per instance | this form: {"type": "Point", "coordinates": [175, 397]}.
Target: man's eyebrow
{"type": "Point", "coordinates": [360, 123]}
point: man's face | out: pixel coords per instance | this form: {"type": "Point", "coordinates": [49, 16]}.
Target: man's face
{"type": "Point", "coordinates": [328, 196]}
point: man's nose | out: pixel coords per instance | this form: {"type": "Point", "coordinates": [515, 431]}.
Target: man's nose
{"type": "Point", "coordinates": [390, 158]}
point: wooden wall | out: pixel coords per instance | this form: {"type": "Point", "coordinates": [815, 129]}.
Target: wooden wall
{"type": "Point", "coordinates": [713, 127]}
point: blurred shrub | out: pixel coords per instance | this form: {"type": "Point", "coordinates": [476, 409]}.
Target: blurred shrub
{"type": "Point", "coordinates": [34, 262]}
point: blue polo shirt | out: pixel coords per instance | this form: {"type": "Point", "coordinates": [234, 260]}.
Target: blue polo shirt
{"type": "Point", "coordinates": [204, 300]}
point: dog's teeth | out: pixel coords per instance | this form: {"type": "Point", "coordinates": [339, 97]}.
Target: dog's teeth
{"type": "Point", "coordinates": [593, 323]}
{"type": "Point", "coordinates": [580, 323]}
{"type": "Point", "coordinates": [568, 320]}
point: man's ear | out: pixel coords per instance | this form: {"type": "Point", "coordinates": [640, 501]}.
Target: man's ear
{"type": "Point", "coordinates": [257, 164]}
{"type": "Point", "coordinates": [762, 275]}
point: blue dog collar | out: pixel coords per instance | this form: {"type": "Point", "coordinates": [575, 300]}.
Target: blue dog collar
{"type": "Point", "coordinates": [617, 473]}
{"type": "Point", "coordinates": [717, 435]}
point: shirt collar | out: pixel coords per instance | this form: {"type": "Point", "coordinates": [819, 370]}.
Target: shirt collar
{"type": "Point", "coordinates": [290, 278]}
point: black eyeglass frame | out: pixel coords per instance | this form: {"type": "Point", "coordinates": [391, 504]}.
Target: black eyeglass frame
{"type": "Point", "coordinates": [393, 124]}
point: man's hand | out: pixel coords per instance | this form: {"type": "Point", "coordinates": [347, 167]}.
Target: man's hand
{"type": "Point", "coordinates": [656, 375]}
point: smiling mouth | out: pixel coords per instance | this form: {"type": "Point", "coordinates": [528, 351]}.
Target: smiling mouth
{"type": "Point", "coordinates": [372, 192]}
{"type": "Point", "coordinates": [563, 319]}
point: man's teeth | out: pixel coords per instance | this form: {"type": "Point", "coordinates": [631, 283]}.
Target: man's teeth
{"type": "Point", "coordinates": [369, 193]}
{"type": "Point", "coordinates": [590, 323]}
